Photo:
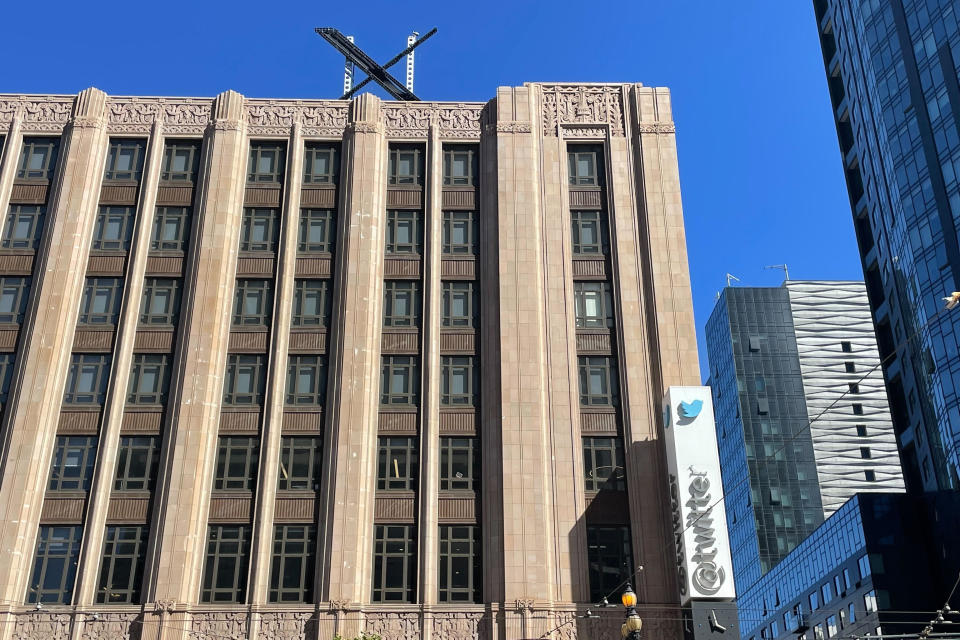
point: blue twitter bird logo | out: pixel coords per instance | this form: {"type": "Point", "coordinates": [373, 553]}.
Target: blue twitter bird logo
{"type": "Point", "coordinates": [690, 410]}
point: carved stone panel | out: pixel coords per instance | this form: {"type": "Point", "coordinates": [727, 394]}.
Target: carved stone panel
{"type": "Point", "coordinates": [239, 422]}
{"type": "Point", "coordinates": [457, 509]}
{"type": "Point", "coordinates": [248, 341]}
{"type": "Point", "coordinates": [40, 115]}
{"type": "Point", "coordinates": [579, 105]}
{"type": "Point", "coordinates": [459, 199]}
{"type": "Point", "coordinates": [458, 625]}
{"type": "Point", "coordinates": [459, 268]}
{"type": "Point", "coordinates": [133, 509]}
{"type": "Point", "coordinates": [314, 341]}
{"type": "Point", "coordinates": [19, 264]}
{"type": "Point", "coordinates": [393, 508]}
{"type": "Point", "coordinates": [215, 625]}
{"type": "Point", "coordinates": [178, 115]}
{"type": "Point", "coordinates": [93, 340]}
{"type": "Point", "coordinates": [118, 194]}
{"type": "Point", "coordinates": [255, 266]}
{"type": "Point", "coordinates": [314, 267]}
{"type": "Point", "coordinates": [287, 625]}
{"type": "Point", "coordinates": [321, 198]}
{"type": "Point", "coordinates": [111, 626]}
{"type": "Point", "coordinates": [303, 421]}
{"type": "Point", "coordinates": [29, 193]}
{"type": "Point", "coordinates": [589, 269]}
{"type": "Point", "coordinates": [591, 343]}
{"type": "Point", "coordinates": [42, 626]}
{"type": "Point", "coordinates": [394, 267]}
{"type": "Point", "coordinates": [164, 265]}
{"type": "Point", "coordinates": [78, 422]}
{"type": "Point", "coordinates": [394, 626]}
{"type": "Point", "coordinates": [598, 422]}
{"type": "Point", "coordinates": [154, 340]}
{"type": "Point", "coordinates": [8, 339]}
{"type": "Point", "coordinates": [262, 197]}
{"type": "Point", "coordinates": [141, 421]}
{"type": "Point", "coordinates": [405, 198]}
{"type": "Point", "coordinates": [175, 196]}
{"type": "Point", "coordinates": [231, 508]}
{"type": "Point", "coordinates": [458, 342]}
{"type": "Point", "coordinates": [106, 265]}
{"type": "Point", "coordinates": [400, 342]}
{"type": "Point", "coordinates": [460, 422]}
{"type": "Point", "coordinates": [397, 422]}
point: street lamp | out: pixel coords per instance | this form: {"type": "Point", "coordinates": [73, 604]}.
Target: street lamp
{"type": "Point", "coordinates": [630, 630]}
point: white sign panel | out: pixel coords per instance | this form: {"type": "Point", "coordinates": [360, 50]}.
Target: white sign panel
{"type": "Point", "coordinates": [699, 520]}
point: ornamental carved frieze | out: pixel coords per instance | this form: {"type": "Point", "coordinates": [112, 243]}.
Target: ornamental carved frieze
{"type": "Point", "coordinates": [288, 625]}
{"type": "Point", "coordinates": [109, 626]}
{"type": "Point", "coordinates": [277, 117]}
{"type": "Point", "coordinates": [177, 116]}
{"type": "Point", "coordinates": [413, 120]}
{"type": "Point", "coordinates": [42, 626]}
{"type": "Point", "coordinates": [219, 626]}
{"type": "Point", "coordinates": [394, 626]}
{"type": "Point", "coordinates": [457, 625]}
{"type": "Point", "coordinates": [524, 605]}
{"type": "Point", "coordinates": [582, 105]}
{"type": "Point", "coordinates": [38, 115]}
{"type": "Point", "coordinates": [513, 126]}
{"type": "Point", "coordinates": [657, 127]}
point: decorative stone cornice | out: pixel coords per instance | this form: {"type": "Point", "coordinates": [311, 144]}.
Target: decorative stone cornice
{"type": "Point", "coordinates": [524, 605]}
{"type": "Point", "coordinates": [177, 115]}
{"type": "Point", "coordinates": [413, 120]}
{"type": "Point", "coordinates": [656, 127]}
{"type": "Point", "coordinates": [512, 126]}
{"type": "Point", "coordinates": [581, 105]}
{"type": "Point", "coordinates": [38, 114]}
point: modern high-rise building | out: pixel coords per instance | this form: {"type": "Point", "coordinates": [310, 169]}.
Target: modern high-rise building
{"type": "Point", "coordinates": [295, 368]}
{"type": "Point", "coordinates": [802, 418]}
{"type": "Point", "coordinates": [892, 73]}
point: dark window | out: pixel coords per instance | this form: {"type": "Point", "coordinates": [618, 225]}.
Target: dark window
{"type": "Point", "coordinates": [317, 231]}
{"type": "Point", "coordinates": [406, 165]}
{"type": "Point", "coordinates": [311, 303]}
{"type": "Point", "coordinates": [300, 463]}
{"type": "Point", "coordinates": [171, 229]}
{"type": "Point", "coordinates": [125, 159]}
{"type": "Point", "coordinates": [55, 565]}
{"type": "Point", "coordinates": [181, 159]}
{"type": "Point", "coordinates": [137, 460]}
{"type": "Point", "coordinates": [394, 566]}
{"type": "Point", "coordinates": [404, 232]}
{"type": "Point", "coordinates": [589, 233]}
{"type": "Point", "coordinates": [459, 464]}
{"type": "Point", "coordinates": [121, 572]}
{"type": "Point", "coordinates": [459, 304]}
{"type": "Point", "coordinates": [850, 367]}
{"type": "Point", "coordinates": [267, 160]}
{"type": "Point", "coordinates": [38, 159]}
{"type": "Point", "coordinates": [113, 228]}
{"type": "Point", "coordinates": [14, 294]}
{"type": "Point", "coordinates": [862, 430]}
{"type": "Point", "coordinates": [7, 360]}
{"type": "Point", "coordinates": [853, 387]}
{"type": "Point", "coordinates": [397, 464]}
{"type": "Point", "coordinates": [865, 453]}
{"type": "Point", "coordinates": [399, 380]}
{"type": "Point", "coordinates": [870, 475]}
{"type": "Point", "coordinates": [320, 164]}
{"type": "Point", "coordinates": [603, 464]}
{"type": "Point", "coordinates": [245, 380]}
{"type": "Point", "coordinates": [754, 343]}
{"type": "Point", "coordinates": [101, 299]}
{"type": "Point", "coordinates": [161, 301]}
{"type": "Point", "coordinates": [846, 347]}
{"type": "Point", "coordinates": [459, 166]}
{"type": "Point", "coordinates": [306, 381]}
{"type": "Point", "coordinates": [149, 379]}
{"type": "Point", "coordinates": [252, 302]}
{"type": "Point", "coordinates": [858, 409]}
{"type": "Point", "coordinates": [87, 379]}
{"type": "Point", "coordinates": [259, 229]}
{"type": "Point", "coordinates": [610, 560]}
{"type": "Point", "coordinates": [594, 304]}
{"type": "Point", "coordinates": [401, 303]}
{"type": "Point", "coordinates": [584, 166]}
{"type": "Point", "coordinates": [292, 566]}
{"type": "Point", "coordinates": [72, 466]}
{"type": "Point", "coordinates": [459, 563]}
{"type": "Point", "coordinates": [24, 226]}
{"type": "Point", "coordinates": [459, 233]}
{"type": "Point", "coordinates": [225, 569]}
{"type": "Point", "coordinates": [459, 383]}
{"type": "Point", "coordinates": [598, 381]}
{"type": "Point", "coordinates": [236, 463]}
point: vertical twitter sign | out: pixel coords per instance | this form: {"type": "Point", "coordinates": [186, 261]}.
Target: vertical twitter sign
{"type": "Point", "coordinates": [699, 520]}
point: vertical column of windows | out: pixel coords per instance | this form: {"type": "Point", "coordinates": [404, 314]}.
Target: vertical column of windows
{"type": "Point", "coordinates": [459, 543]}
{"type": "Point", "coordinates": [398, 451]}
{"type": "Point", "coordinates": [239, 443]}
{"type": "Point", "coordinates": [609, 555]}
{"type": "Point", "coordinates": [292, 565]}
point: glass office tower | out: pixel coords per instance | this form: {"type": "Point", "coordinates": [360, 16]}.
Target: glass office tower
{"type": "Point", "coordinates": [892, 72]}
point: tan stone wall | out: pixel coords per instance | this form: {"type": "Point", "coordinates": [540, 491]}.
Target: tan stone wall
{"type": "Point", "coordinates": [533, 503]}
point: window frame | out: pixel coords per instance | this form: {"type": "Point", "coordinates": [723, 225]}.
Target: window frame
{"type": "Point", "coordinates": [162, 215]}
{"type": "Point", "coordinates": [452, 538]}
{"type": "Point", "coordinates": [65, 549]}
{"type": "Point", "coordinates": [233, 450]}
{"type": "Point", "coordinates": [459, 452]}
{"type": "Point", "coordinates": [302, 289]}
{"type": "Point", "coordinates": [472, 230]}
{"type": "Point", "coordinates": [93, 287]}
{"type": "Point", "coordinates": [254, 397]}
{"type": "Point", "coordinates": [35, 215]}
{"type": "Point", "coordinates": [582, 291]}
{"type": "Point", "coordinates": [595, 155]}
{"type": "Point", "coordinates": [68, 448]}
{"type": "Point", "coordinates": [290, 448]}
{"type": "Point", "coordinates": [393, 246]}
{"type": "Point", "coordinates": [594, 447]}
{"type": "Point", "coordinates": [450, 153]}
{"type": "Point", "coordinates": [253, 215]}
{"type": "Point", "coordinates": [450, 366]}
{"type": "Point", "coordinates": [296, 365]}
{"type": "Point", "coordinates": [398, 463]}
{"type": "Point", "coordinates": [394, 291]}
{"type": "Point", "coordinates": [607, 367]}
{"type": "Point", "coordinates": [121, 145]}
{"type": "Point", "coordinates": [161, 363]}
{"type": "Point", "coordinates": [129, 450]}
{"type": "Point", "coordinates": [314, 150]}
{"type": "Point", "coordinates": [581, 219]}
{"type": "Point", "coordinates": [153, 286]}
{"type": "Point", "coordinates": [596, 565]}
{"type": "Point", "coordinates": [452, 290]}
{"type": "Point", "coordinates": [394, 542]}
{"type": "Point", "coordinates": [327, 220]}
{"type": "Point", "coordinates": [290, 549]}
{"type": "Point", "coordinates": [258, 150]}
{"type": "Point", "coordinates": [412, 179]}
{"type": "Point", "coordinates": [100, 365]}
{"type": "Point", "coordinates": [217, 538]}
{"type": "Point", "coordinates": [127, 216]}
{"type": "Point", "coordinates": [29, 146]}
{"type": "Point", "coordinates": [171, 149]}
{"type": "Point", "coordinates": [246, 287]}
{"type": "Point", "coordinates": [19, 288]}
{"type": "Point", "coordinates": [389, 367]}
{"type": "Point", "coordinates": [121, 564]}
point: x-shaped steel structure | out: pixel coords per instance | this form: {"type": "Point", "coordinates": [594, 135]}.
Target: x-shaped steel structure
{"type": "Point", "coordinates": [376, 72]}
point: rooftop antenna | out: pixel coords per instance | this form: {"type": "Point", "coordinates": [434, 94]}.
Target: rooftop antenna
{"type": "Point", "coordinates": [730, 277]}
{"type": "Point", "coordinates": [786, 273]}
{"type": "Point", "coordinates": [355, 56]}
{"type": "Point", "coordinates": [347, 72]}
{"type": "Point", "coordinates": [410, 40]}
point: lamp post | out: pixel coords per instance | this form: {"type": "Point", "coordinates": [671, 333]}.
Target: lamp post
{"type": "Point", "coordinates": [630, 629]}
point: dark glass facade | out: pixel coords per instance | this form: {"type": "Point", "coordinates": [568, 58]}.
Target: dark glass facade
{"type": "Point", "coordinates": [892, 73]}
{"type": "Point", "coordinates": [868, 569]}
{"type": "Point", "coordinates": [759, 405]}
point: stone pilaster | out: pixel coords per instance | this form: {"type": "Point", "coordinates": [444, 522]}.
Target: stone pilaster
{"type": "Point", "coordinates": [8, 162]}
{"type": "Point", "coordinates": [430, 405]}
{"type": "Point", "coordinates": [276, 383]}
{"type": "Point", "coordinates": [351, 423]}
{"type": "Point", "coordinates": [528, 526]}
{"type": "Point", "coordinates": [88, 572]}
{"type": "Point", "coordinates": [37, 393]}
{"type": "Point", "coordinates": [183, 496]}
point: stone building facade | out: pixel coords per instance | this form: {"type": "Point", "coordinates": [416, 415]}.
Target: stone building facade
{"type": "Point", "coordinates": [298, 368]}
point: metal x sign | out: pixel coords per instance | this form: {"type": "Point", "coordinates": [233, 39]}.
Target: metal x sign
{"type": "Point", "coordinates": [369, 66]}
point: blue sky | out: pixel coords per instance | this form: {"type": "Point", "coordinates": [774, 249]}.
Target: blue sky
{"type": "Point", "coordinates": [759, 165]}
